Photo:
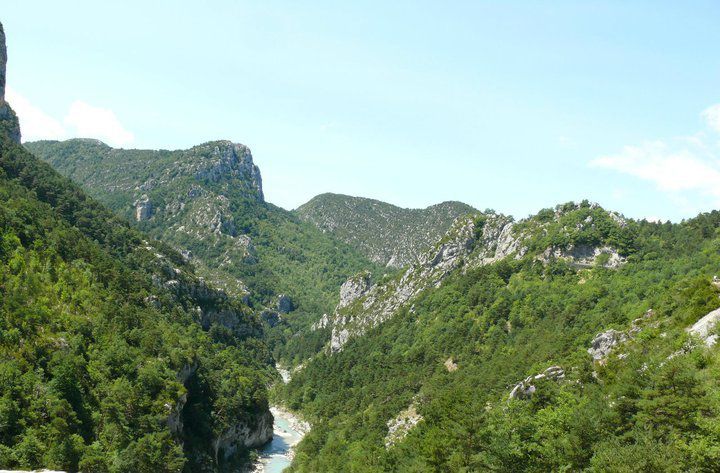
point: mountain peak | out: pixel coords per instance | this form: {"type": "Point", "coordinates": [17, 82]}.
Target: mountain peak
{"type": "Point", "coordinates": [223, 158]}
{"type": "Point", "coordinates": [386, 234]}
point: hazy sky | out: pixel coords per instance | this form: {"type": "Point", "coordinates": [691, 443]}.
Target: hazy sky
{"type": "Point", "coordinates": [509, 105]}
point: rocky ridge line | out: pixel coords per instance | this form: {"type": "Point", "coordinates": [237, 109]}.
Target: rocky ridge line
{"type": "Point", "coordinates": [472, 241]}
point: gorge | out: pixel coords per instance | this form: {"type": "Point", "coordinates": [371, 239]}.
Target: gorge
{"type": "Point", "coordinates": [158, 314]}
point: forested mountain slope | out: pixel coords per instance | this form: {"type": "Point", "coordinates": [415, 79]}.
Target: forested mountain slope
{"type": "Point", "coordinates": [386, 234]}
{"type": "Point", "coordinates": [208, 200]}
{"type": "Point", "coordinates": [114, 355]}
{"type": "Point", "coordinates": [557, 343]}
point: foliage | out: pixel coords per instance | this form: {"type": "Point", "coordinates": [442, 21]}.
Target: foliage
{"type": "Point", "coordinates": [384, 233]}
{"type": "Point", "coordinates": [92, 343]}
{"type": "Point", "coordinates": [285, 255]}
{"type": "Point", "coordinates": [655, 408]}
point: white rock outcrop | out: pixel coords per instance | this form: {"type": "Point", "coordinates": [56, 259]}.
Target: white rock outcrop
{"type": "Point", "coordinates": [400, 425]}
{"type": "Point", "coordinates": [705, 328]}
{"type": "Point", "coordinates": [585, 256]}
{"type": "Point", "coordinates": [450, 365]}
{"type": "Point", "coordinates": [526, 388]}
{"type": "Point", "coordinates": [228, 159]}
{"type": "Point", "coordinates": [354, 288]}
{"type": "Point", "coordinates": [604, 342]}
{"type": "Point", "coordinates": [143, 208]}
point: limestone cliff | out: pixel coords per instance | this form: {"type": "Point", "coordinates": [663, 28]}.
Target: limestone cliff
{"type": "Point", "coordinates": [8, 120]}
{"type": "Point", "coordinates": [208, 202]}
{"type": "Point", "coordinates": [575, 234]}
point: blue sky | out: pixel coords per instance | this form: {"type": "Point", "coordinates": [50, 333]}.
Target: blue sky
{"type": "Point", "coordinates": [514, 106]}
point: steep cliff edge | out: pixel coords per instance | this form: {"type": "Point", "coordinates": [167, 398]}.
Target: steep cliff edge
{"type": "Point", "coordinates": [8, 120]}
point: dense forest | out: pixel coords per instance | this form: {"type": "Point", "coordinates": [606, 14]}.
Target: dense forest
{"type": "Point", "coordinates": [147, 298]}
{"type": "Point", "coordinates": [457, 352]}
{"type": "Point", "coordinates": [208, 200]}
{"type": "Point", "coordinates": [114, 356]}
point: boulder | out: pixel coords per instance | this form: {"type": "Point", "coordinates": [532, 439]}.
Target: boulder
{"type": "Point", "coordinates": [603, 343]}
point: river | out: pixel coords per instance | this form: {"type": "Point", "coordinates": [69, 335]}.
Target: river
{"type": "Point", "coordinates": [288, 430]}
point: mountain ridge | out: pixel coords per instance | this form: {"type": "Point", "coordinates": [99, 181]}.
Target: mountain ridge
{"type": "Point", "coordinates": [387, 234]}
{"type": "Point", "coordinates": [207, 201]}
{"type": "Point", "coordinates": [573, 332]}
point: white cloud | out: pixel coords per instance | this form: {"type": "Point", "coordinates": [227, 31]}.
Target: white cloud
{"type": "Point", "coordinates": [684, 168]}
{"type": "Point", "coordinates": [712, 117]}
{"type": "Point", "coordinates": [95, 122]}
{"type": "Point", "coordinates": [34, 123]}
{"type": "Point", "coordinates": [82, 120]}
{"type": "Point", "coordinates": [670, 170]}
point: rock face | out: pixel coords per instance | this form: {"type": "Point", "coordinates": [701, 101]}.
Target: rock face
{"type": "Point", "coordinates": [354, 288]}
{"type": "Point", "coordinates": [244, 434]}
{"type": "Point", "coordinates": [230, 160]}
{"type": "Point", "coordinates": [8, 120]}
{"type": "Point", "coordinates": [705, 327]}
{"type": "Point", "coordinates": [381, 302]}
{"type": "Point", "coordinates": [466, 243]}
{"type": "Point", "coordinates": [585, 256]}
{"type": "Point", "coordinates": [526, 388]}
{"type": "Point", "coordinates": [604, 342]}
{"type": "Point", "coordinates": [174, 421]}
{"type": "Point", "coordinates": [3, 62]}
{"type": "Point", "coordinates": [400, 425]}
{"type": "Point", "coordinates": [143, 208]}
{"type": "Point", "coordinates": [473, 241]}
